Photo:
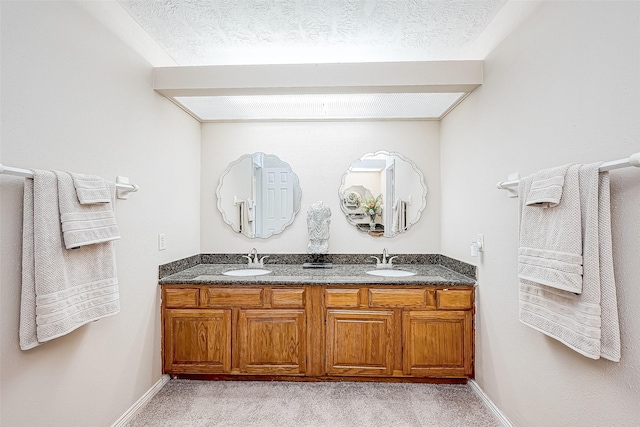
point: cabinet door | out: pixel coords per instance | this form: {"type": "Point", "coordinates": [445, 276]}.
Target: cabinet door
{"type": "Point", "coordinates": [359, 342]}
{"type": "Point", "coordinates": [272, 342]}
{"type": "Point", "coordinates": [197, 341]}
{"type": "Point", "coordinates": [437, 343]}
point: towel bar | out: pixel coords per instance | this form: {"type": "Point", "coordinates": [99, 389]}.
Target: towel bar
{"type": "Point", "coordinates": [26, 173]}
{"type": "Point", "coordinates": [633, 160]}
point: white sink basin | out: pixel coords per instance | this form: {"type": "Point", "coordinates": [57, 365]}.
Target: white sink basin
{"type": "Point", "coordinates": [247, 272]}
{"type": "Point", "coordinates": [391, 273]}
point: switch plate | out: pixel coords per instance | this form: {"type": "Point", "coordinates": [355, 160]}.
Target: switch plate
{"type": "Point", "coordinates": [162, 242]}
{"type": "Point", "coordinates": [481, 242]}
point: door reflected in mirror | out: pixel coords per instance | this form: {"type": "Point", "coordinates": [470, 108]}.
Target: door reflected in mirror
{"type": "Point", "coordinates": [258, 195]}
{"type": "Point", "coordinates": [383, 194]}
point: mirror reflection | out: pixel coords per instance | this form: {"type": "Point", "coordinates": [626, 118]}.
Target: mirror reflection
{"type": "Point", "coordinates": [383, 194]}
{"type": "Point", "coordinates": [258, 195]}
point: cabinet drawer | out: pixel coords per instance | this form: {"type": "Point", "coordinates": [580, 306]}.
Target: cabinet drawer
{"type": "Point", "coordinates": [342, 297]}
{"type": "Point", "coordinates": [234, 297]}
{"type": "Point", "coordinates": [453, 299]}
{"type": "Point", "coordinates": [397, 297]}
{"type": "Point", "coordinates": [287, 298]}
{"type": "Point", "coordinates": [178, 298]}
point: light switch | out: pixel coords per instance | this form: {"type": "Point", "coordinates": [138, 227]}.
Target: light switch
{"type": "Point", "coordinates": [162, 242]}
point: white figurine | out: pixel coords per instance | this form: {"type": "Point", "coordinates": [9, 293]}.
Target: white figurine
{"type": "Point", "coordinates": [318, 221]}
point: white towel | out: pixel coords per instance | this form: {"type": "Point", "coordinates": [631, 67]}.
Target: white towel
{"type": "Point", "coordinates": [90, 189]}
{"type": "Point", "coordinates": [550, 250]}
{"type": "Point", "coordinates": [245, 217]}
{"type": "Point", "coordinates": [61, 289]}
{"type": "Point", "coordinates": [85, 224]}
{"type": "Point", "coordinates": [546, 193]}
{"type": "Point", "coordinates": [242, 214]}
{"type": "Point", "coordinates": [588, 322]}
{"type": "Point", "coordinates": [400, 215]}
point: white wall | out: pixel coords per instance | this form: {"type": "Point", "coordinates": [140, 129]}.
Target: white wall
{"type": "Point", "coordinates": [320, 153]}
{"type": "Point", "coordinates": [74, 97]}
{"type": "Point", "coordinates": [564, 87]}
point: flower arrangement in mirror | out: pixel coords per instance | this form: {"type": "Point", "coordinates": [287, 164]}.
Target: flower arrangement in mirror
{"type": "Point", "coordinates": [373, 208]}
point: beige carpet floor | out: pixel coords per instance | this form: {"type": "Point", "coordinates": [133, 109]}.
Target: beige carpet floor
{"type": "Point", "coordinates": [188, 403]}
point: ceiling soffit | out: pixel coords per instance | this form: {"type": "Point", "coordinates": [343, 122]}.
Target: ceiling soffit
{"type": "Point", "coordinates": [362, 91]}
{"type": "Point", "coordinates": [233, 54]}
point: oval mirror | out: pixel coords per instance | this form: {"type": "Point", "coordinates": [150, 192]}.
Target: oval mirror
{"type": "Point", "coordinates": [258, 195]}
{"type": "Point", "coordinates": [383, 194]}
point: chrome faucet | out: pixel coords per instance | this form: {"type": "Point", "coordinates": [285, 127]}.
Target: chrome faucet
{"type": "Point", "coordinates": [253, 259]}
{"type": "Point", "coordinates": [386, 262]}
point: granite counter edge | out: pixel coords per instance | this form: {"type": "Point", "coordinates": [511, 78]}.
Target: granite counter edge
{"type": "Point", "coordinates": [456, 266]}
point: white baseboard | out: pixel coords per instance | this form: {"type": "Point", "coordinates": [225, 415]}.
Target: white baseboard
{"type": "Point", "coordinates": [144, 399]}
{"type": "Point", "coordinates": [489, 404]}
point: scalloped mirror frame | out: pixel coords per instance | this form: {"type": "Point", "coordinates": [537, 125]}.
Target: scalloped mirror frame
{"type": "Point", "coordinates": [296, 200]}
{"type": "Point", "coordinates": [420, 176]}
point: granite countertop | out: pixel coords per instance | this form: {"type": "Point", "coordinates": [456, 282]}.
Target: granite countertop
{"type": "Point", "coordinates": [289, 274]}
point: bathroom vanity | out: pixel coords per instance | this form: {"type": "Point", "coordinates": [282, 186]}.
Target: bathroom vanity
{"type": "Point", "coordinates": [302, 324]}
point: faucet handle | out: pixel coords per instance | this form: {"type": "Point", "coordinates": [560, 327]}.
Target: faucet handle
{"type": "Point", "coordinates": [390, 260]}
{"type": "Point", "coordinates": [376, 258]}
{"type": "Point", "coordinates": [262, 259]}
{"type": "Point", "coordinates": [247, 257]}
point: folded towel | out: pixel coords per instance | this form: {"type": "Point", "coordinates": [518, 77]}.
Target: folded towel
{"type": "Point", "coordinates": [550, 250]}
{"type": "Point", "coordinates": [85, 224]}
{"type": "Point", "coordinates": [61, 289]}
{"type": "Point", "coordinates": [588, 322]}
{"type": "Point", "coordinates": [90, 189]}
{"type": "Point", "coordinates": [546, 193]}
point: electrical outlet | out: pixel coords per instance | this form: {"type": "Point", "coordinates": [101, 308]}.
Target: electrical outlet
{"type": "Point", "coordinates": [481, 242]}
{"type": "Point", "coordinates": [162, 242]}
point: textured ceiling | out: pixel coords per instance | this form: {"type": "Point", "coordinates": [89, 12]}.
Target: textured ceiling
{"type": "Point", "coordinates": [223, 32]}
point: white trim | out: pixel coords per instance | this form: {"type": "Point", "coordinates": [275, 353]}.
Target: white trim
{"type": "Point", "coordinates": [497, 413]}
{"type": "Point", "coordinates": [346, 78]}
{"type": "Point", "coordinates": [139, 404]}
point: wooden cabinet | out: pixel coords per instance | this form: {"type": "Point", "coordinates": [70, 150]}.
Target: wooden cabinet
{"type": "Point", "coordinates": [360, 342]}
{"type": "Point", "coordinates": [399, 331]}
{"type": "Point", "coordinates": [197, 341]}
{"type": "Point", "coordinates": [315, 331]}
{"type": "Point", "coordinates": [437, 344]}
{"type": "Point", "coordinates": [272, 341]}
{"type": "Point", "coordinates": [258, 330]}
